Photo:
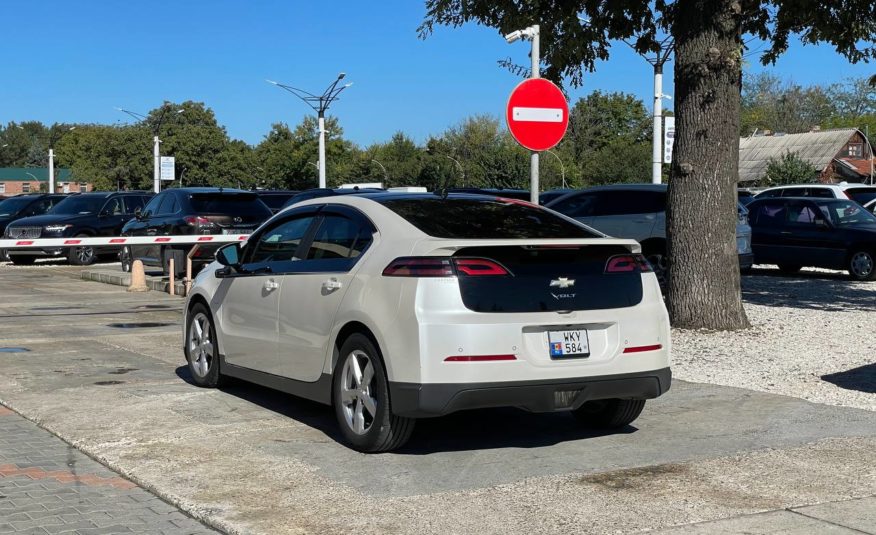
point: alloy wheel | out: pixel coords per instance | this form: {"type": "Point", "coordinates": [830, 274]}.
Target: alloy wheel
{"type": "Point", "coordinates": [357, 387]}
{"type": "Point", "coordinates": [201, 344]}
{"type": "Point", "coordinates": [862, 264]}
{"type": "Point", "coordinates": [84, 254]}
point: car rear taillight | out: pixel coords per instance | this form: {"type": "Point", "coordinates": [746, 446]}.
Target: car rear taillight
{"type": "Point", "coordinates": [627, 263]}
{"type": "Point", "coordinates": [411, 266]}
{"type": "Point", "coordinates": [197, 221]}
{"type": "Point", "coordinates": [478, 267]}
{"type": "Point", "coordinates": [440, 266]}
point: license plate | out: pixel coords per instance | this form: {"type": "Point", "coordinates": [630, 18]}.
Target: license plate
{"type": "Point", "coordinates": [235, 231]}
{"type": "Point", "coordinates": [568, 344]}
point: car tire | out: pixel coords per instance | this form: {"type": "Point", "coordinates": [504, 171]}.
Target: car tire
{"type": "Point", "coordinates": [126, 258]}
{"type": "Point", "coordinates": [609, 413]}
{"type": "Point", "coordinates": [202, 348]}
{"type": "Point", "coordinates": [19, 260]}
{"type": "Point", "coordinates": [789, 269]}
{"type": "Point", "coordinates": [369, 430]}
{"type": "Point", "coordinates": [81, 256]}
{"type": "Point", "coordinates": [4, 257]}
{"type": "Point", "coordinates": [862, 266]}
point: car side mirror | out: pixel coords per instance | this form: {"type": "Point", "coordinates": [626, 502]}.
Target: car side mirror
{"type": "Point", "coordinates": [138, 213]}
{"type": "Point", "coordinates": [229, 256]}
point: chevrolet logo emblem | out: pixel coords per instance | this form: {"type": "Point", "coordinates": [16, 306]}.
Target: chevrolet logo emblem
{"type": "Point", "coordinates": [562, 282]}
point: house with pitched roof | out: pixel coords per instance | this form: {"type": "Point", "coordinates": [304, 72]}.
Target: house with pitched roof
{"type": "Point", "coordinates": [838, 155]}
{"type": "Point", "coordinates": [17, 180]}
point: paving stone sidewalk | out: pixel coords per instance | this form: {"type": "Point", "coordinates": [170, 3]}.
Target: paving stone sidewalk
{"type": "Point", "coordinates": [49, 487]}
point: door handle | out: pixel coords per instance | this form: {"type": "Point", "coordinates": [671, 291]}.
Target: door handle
{"type": "Point", "coordinates": [786, 232]}
{"type": "Point", "coordinates": [332, 284]}
{"type": "Point", "coordinates": [271, 285]}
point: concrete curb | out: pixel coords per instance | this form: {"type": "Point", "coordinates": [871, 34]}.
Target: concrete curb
{"type": "Point", "coordinates": [120, 278]}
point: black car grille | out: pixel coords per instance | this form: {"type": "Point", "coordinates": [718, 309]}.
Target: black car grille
{"type": "Point", "coordinates": [23, 232]}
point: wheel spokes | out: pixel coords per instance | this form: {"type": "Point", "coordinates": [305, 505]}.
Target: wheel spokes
{"type": "Point", "coordinates": [370, 404]}
{"type": "Point", "coordinates": [359, 418]}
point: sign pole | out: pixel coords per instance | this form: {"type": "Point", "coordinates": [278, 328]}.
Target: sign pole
{"type": "Point", "coordinates": [156, 155]}
{"type": "Point", "coordinates": [51, 171]}
{"type": "Point", "coordinates": [657, 135]}
{"type": "Point", "coordinates": [533, 162]}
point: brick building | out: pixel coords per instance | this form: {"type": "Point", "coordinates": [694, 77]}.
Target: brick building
{"type": "Point", "coordinates": [842, 154]}
{"type": "Point", "coordinates": [18, 180]}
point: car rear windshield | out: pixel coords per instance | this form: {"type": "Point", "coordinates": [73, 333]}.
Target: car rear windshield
{"type": "Point", "coordinates": [229, 204]}
{"type": "Point", "coordinates": [471, 219]}
{"type": "Point", "coordinates": [861, 195]}
{"type": "Point", "coordinates": [276, 200]}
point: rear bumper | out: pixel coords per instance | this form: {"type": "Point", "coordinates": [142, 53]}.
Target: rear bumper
{"type": "Point", "coordinates": [435, 399]}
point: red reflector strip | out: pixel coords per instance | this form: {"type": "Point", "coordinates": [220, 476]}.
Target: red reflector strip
{"type": "Point", "coordinates": [72, 242]}
{"type": "Point", "coordinates": [205, 238]}
{"type": "Point", "coordinates": [243, 237]}
{"type": "Point", "coordinates": [29, 242]}
{"type": "Point", "coordinates": [118, 240]}
{"type": "Point", "coordinates": [159, 240]}
{"type": "Point", "coordinates": [641, 349]}
{"type": "Point", "coordinates": [479, 358]}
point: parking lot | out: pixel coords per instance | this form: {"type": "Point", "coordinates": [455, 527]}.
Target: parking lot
{"type": "Point", "coordinates": [768, 429]}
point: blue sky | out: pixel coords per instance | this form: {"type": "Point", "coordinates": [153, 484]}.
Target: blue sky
{"type": "Point", "coordinates": [75, 61]}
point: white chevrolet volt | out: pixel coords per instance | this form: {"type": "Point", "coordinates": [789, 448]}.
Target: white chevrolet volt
{"type": "Point", "coordinates": [397, 306]}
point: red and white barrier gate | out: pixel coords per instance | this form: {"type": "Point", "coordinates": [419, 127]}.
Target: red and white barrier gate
{"type": "Point", "coordinates": [54, 243]}
{"type": "Point", "coordinates": [195, 240]}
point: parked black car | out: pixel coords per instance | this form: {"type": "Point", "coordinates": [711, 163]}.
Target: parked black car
{"type": "Point", "coordinates": [828, 233]}
{"type": "Point", "coordinates": [13, 208]}
{"type": "Point", "coordinates": [78, 215]}
{"type": "Point", "coordinates": [181, 211]}
{"type": "Point", "coordinates": [328, 192]}
{"type": "Point", "coordinates": [276, 199]}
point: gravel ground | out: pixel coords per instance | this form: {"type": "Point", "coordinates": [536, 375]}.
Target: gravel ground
{"type": "Point", "coordinates": [812, 337]}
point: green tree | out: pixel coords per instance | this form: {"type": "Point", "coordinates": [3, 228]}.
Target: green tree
{"type": "Point", "coordinates": [789, 169]}
{"type": "Point", "coordinates": [609, 138]}
{"type": "Point", "coordinates": [704, 286]}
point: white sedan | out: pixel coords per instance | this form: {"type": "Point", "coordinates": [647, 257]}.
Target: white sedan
{"type": "Point", "coordinates": [397, 306]}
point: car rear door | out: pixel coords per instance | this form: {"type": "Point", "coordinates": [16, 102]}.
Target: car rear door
{"type": "Point", "coordinates": [768, 221]}
{"type": "Point", "coordinates": [578, 206]}
{"type": "Point", "coordinates": [141, 227]}
{"type": "Point", "coordinates": [313, 289]}
{"type": "Point", "coordinates": [249, 309]}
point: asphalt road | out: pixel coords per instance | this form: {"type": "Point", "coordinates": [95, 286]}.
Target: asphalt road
{"type": "Point", "coordinates": [105, 372]}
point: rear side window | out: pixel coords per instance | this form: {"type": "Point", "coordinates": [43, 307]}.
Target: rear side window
{"type": "Point", "coordinates": [767, 214]}
{"type": "Point", "coordinates": [338, 237]}
{"type": "Point", "coordinates": [471, 219]}
{"type": "Point", "coordinates": [861, 195]}
{"type": "Point", "coordinates": [234, 204]}
{"type": "Point", "coordinates": [823, 193]}
{"type": "Point", "coordinates": [629, 202]}
{"type": "Point", "coordinates": [576, 205]}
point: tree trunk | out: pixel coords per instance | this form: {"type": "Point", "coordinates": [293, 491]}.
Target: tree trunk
{"type": "Point", "coordinates": [704, 289]}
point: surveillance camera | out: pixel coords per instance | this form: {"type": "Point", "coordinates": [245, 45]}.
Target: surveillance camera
{"type": "Point", "coordinates": [514, 36]}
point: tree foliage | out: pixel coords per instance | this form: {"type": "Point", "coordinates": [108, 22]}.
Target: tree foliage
{"type": "Point", "coordinates": [789, 169]}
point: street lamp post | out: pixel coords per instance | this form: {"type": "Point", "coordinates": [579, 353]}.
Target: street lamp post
{"type": "Point", "coordinates": [319, 103]}
{"type": "Point", "coordinates": [52, 160]}
{"type": "Point", "coordinates": [156, 143]}
{"type": "Point", "coordinates": [385, 174]}
{"type": "Point", "coordinates": [562, 167]}
{"type": "Point", "coordinates": [532, 33]}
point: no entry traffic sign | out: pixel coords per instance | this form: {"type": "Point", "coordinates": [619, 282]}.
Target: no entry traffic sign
{"type": "Point", "coordinates": [537, 114]}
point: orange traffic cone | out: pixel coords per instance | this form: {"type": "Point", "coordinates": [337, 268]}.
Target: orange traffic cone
{"type": "Point", "coordinates": [138, 277]}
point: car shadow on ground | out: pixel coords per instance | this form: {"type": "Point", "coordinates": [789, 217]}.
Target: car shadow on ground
{"type": "Point", "coordinates": [807, 289]}
{"type": "Point", "coordinates": [462, 431]}
{"type": "Point", "coordinates": [862, 378]}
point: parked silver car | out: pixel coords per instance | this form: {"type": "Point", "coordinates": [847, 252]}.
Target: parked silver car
{"type": "Point", "coordinates": [638, 211]}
